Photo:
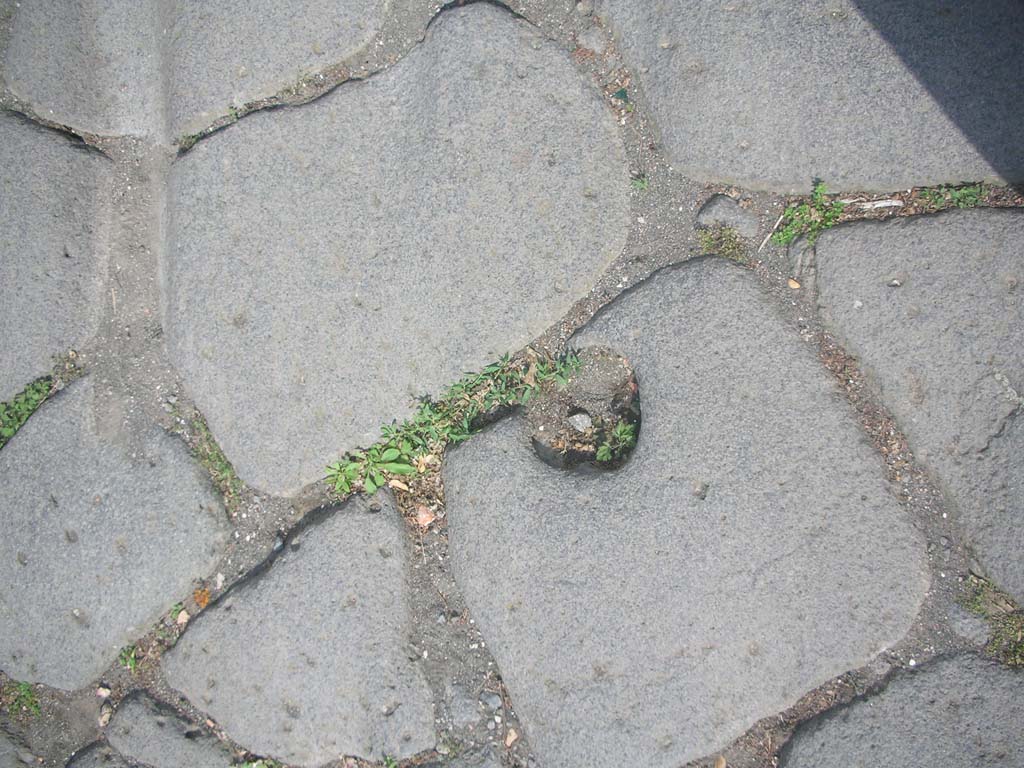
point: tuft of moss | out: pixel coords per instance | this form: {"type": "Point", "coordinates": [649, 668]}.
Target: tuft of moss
{"type": "Point", "coordinates": [723, 241]}
{"type": "Point", "coordinates": [1005, 619]}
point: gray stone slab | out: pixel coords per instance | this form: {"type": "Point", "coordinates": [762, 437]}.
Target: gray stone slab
{"type": "Point", "coordinates": [143, 731]}
{"type": "Point", "coordinates": [98, 756]}
{"type": "Point", "coordinates": [9, 753]}
{"type": "Point", "coordinates": [722, 210]}
{"type": "Point", "coordinates": [51, 259]}
{"type": "Point", "coordinates": [956, 713]}
{"type": "Point", "coordinates": [865, 94]}
{"type": "Point", "coordinates": [946, 350]}
{"type": "Point", "coordinates": [328, 263]}
{"type": "Point", "coordinates": [99, 538]}
{"type": "Point", "coordinates": [307, 662]}
{"type": "Point", "coordinates": [148, 67]}
{"type": "Point", "coordinates": [95, 65]}
{"type": "Point", "coordinates": [749, 551]}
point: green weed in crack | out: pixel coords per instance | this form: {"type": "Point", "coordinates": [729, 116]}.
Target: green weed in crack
{"type": "Point", "coordinates": [809, 217]}
{"type": "Point", "coordinates": [19, 698]}
{"type": "Point", "coordinates": [964, 196]}
{"type": "Point", "coordinates": [15, 413]}
{"type": "Point", "coordinates": [617, 442]}
{"type": "Point", "coordinates": [451, 419]}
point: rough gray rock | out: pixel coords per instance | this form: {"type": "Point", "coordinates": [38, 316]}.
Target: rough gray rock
{"type": "Point", "coordinates": [632, 613]}
{"type": "Point", "coordinates": [148, 67]}
{"type": "Point", "coordinates": [946, 349]}
{"type": "Point", "coordinates": [865, 94]}
{"type": "Point", "coordinates": [307, 662]}
{"type": "Point", "coordinates": [97, 756]}
{"type": "Point", "coordinates": [51, 263]}
{"type": "Point", "coordinates": [9, 753]}
{"type": "Point", "coordinates": [100, 537]}
{"type": "Point", "coordinates": [722, 210]}
{"type": "Point", "coordinates": [144, 732]}
{"type": "Point", "coordinates": [957, 713]}
{"type": "Point", "coordinates": [328, 263]}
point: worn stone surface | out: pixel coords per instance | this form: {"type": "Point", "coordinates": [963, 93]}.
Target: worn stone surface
{"type": "Point", "coordinates": [101, 536]}
{"type": "Point", "coordinates": [865, 94]}
{"type": "Point", "coordinates": [98, 756]}
{"type": "Point", "coordinates": [946, 349]}
{"type": "Point", "coordinates": [307, 662]}
{"type": "Point", "coordinates": [722, 210]}
{"type": "Point", "coordinates": [328, 263]}
{"type": "Point", "coordinates": [9, 753]}
{"type": "Point", "coordinates": [161, 69]}
{"type": "Point", "coordinates": [51, 257]}
{"type": "Point", "coordinates": [958, 713]}
{"type": "Point", "coordinates": [144, 732]}
{"type": "Point", "coordinates": [743, 540]}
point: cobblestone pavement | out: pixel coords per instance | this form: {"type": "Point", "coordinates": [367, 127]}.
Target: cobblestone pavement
{"type": "Point", "coordinates": [239, 238]}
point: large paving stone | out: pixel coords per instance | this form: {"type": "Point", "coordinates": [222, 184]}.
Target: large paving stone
{"type": "Point", "coordinates": [97, 541]}
{"type": "Point", "coordinates": [9, 753]}
{"type": "Point", "coordinates": [97, 756]}
{"type": "Point", "coordinates": [865, 94]}
{"type": "Point", "coordinates": [154, 68]}
{"type": "Point", "coordinates": [957, 713]}
{"type": "Point", "coordinates": [51, 258]}
{"type": "Point", "coordinates": [749, 551]}
{"type": "Point", "coordinates": [946, 349]}
{"type": "Point", "coordinates": [307, 662]}
{"type": "Point", "coordinates": [328, 263]}
{"type": "Point", "coordinates": [158, 738]}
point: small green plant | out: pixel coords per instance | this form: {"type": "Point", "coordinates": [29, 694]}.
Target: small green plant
{"type": "Point", "coordinates": [723, 241]}
{"type": "Point", "coordinates": [390, 762]}
{"type": "Point", "coordinates": [176, 610]}
{"type": "Point", "coordinates": [15, 413]}
{"type": "Point", "coordinates": [617, 442]}
{"type": "Point", "coordinates": [212, 457]}
{"type": "Point", "coordinates": [640, 182]}
{"type": "Point", "coordinates": [1006, 621]}
{"type": "Point", "coordinates": [261, 763]}
{"type": "Point", "coordinates": [809, 218]}
{"type": "Point", "coordinates": [453, 418]}
{"type": "Point", "coordinates": [966, 196]}
{"type": "Point", "coordinates": [20, 698]}
{"type": "Point", "coordinates": [129, 657]}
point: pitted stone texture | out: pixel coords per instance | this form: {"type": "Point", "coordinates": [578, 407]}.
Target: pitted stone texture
{"type": "Point", "coordinates": [956, 713]}
{"type": "Point", "coordinates": [149, 735]}
{"type": "Point", "coordinates": [750, 537]}
{"type": "Point", "coordinates": [98, 756]}
{"type": "Point", "coordinates": [51, 262]}
{"type": "Point", "coordinates": [152, 67]}
{"type": "Point", "coordinates": [722, 210]}
{"type": "Point", "coordinates": [329, 263]}
{"type": "Point", "coordinates": [305, 662]}
{"type": "Point", "coordinates": [865, 94]}
{"type": "Point", "coordinates": [234, 51]}
{"type": "Point", "coordinates": [92, 64]}
{"type": "Point", "coordinates": [97, 540]}
{"type": "Point", "coordinates": [946, 349]}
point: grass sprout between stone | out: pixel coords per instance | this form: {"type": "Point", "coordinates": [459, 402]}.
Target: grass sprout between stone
{"type": "Point", "coordinates": [407, 448]}
{"type": "Point", "coordinates": [15, 413]}
{"type": "Point", "coordinates": [809, 217]}
{"type": "Point", "coordinates": [1005, 619]}
{"type": "Point", "coordinates": [20, 698]}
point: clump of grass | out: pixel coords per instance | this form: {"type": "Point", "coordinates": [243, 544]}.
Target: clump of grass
{"type": "Point", "coordinates": [723, 241]}
{"type": "Point", "coordinates": [640, 183]}
{"type": "Point", "coordinates": [453, 418]}
{"type": "Point", "coordinates": [212, 457]}
{"type": "Point", "coordinates": [20, 698]}
{"type": "Point", "coordinates": [261, 763]}
{"type": "Point", "coordinates": [15, 413]}
{"type": "Point", "coordinates": [618, 441]}
{"type": "Point", "coordinates": [1006, 621]}
{"type": "Point", "coordinates": [809, 218]}
{"type": "Point", "coordinates": [129, 657]}
{"type": "Point", "coordinates": [964, 196]}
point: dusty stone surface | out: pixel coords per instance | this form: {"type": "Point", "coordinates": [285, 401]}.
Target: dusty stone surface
{"type": "Point", "coordinates": [739, 543]}
{"type": "Point", "coordinates": [328, 263]}
{"type": "Point", "coordinates": [771, 95]}
{"type": "Point", "coordinates": [51, 258]}
{"type": "Point", "coordinates": [98, 756]}
{"type": "Point", "coordinates": [958, 713]}
{"type": "Point", "coordinates": [946, 348]}
{"type": "Point", "coordinates": [144, 732]}
{"type": "Point", "coordinates": [722, 210]}
{"type": "Point", "coordinates": [161, 69]}
{"type": "Point", "coordinates": [9, 753]}
{"type": "Point", "coordinates": [101, 536]}
{"type": "Point", "coordinates": [329, 675]}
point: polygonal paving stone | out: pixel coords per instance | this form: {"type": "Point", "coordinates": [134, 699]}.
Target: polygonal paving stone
{"type": "Point", "coordinates": [934, 309]}
{"type": "Point", "coordinates": [329, 263]}
{"type": "Point", "coordinates": [956, 713]}
{"type": "Point", "coordinates": [150, 735]}
{"type": "Point", "coordinates": [865, 94]}
{"type": "Point", "coordinates": [99, 538]}
{"type": "Point", "coordinates": [146, 66]}
{"type": "Point", "coordinates": [749, 550]}
{"type": "Point", "coordinates": [98, 756]}
{"type": "Point", "coordinates": [9, 753]}
{"type": "Point", "coordinates": [51, 265]}
{"type": "Point", "coordinates": [307, 662]}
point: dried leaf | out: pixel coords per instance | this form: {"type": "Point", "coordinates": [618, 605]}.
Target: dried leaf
{"type": "Point", "coordinates": [424, 517]}
{"type": "Point", "coordinates": [183, 618]}
{"type": "Point", "coordinates": [202, 597]}
{"type": "Point", "coordinates": [510, 737]}
{"type": "Point", "coordinates": [793, 284]}
{"type": "Point", "coordinates": [398, 484]}
{"type": "Point", "coordinates": [720, 762]}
